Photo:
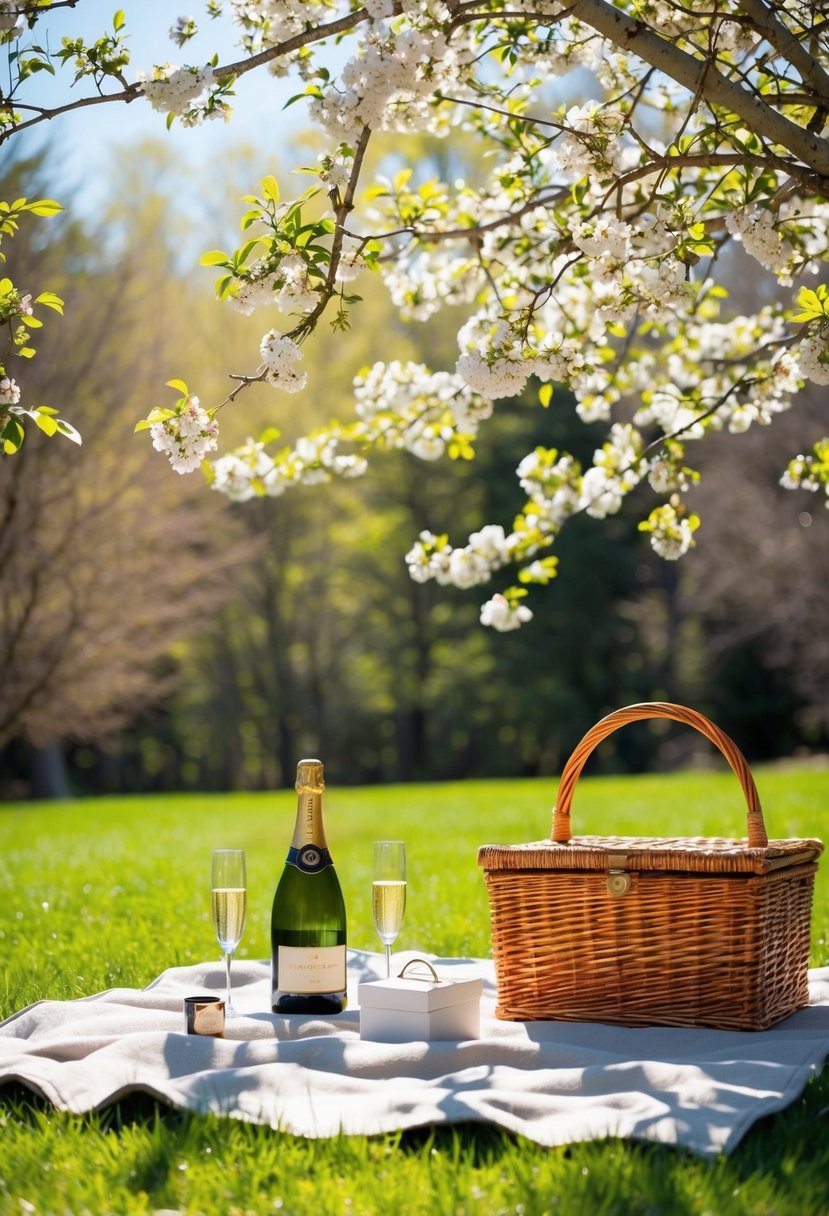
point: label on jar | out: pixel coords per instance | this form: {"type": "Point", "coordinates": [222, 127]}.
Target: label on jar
{"type": "Point", "coordinates": [311, 969]}
{"type": "Point", "coordinates": [204, 1015]}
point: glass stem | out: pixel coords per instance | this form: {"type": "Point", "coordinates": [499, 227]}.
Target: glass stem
{"type": "Point", "coordinates": [388, 960]}
{"type": "Point", "coordinates": [228, 957]}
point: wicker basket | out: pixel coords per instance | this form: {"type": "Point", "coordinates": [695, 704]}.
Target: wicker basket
{"type": "Point", "coordinates": [651, 931]}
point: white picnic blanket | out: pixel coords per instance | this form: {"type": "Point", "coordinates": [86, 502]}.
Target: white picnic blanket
{"type": "Point", "coordinates": [553, 1082]}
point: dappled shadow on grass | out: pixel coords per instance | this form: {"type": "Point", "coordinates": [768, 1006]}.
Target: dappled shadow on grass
{"type": "Point", "coordinates": [799, 1131]}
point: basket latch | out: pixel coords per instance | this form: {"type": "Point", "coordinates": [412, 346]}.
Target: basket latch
{"type": "Point", "coordinates": [618, 879]}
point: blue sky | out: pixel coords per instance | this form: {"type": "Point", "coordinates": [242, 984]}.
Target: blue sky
{"type": "Point", "coordinates": [88, 137]}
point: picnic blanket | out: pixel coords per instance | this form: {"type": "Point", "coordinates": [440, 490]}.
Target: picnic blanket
{"type": "Point", "coordinates": [553, 1082]}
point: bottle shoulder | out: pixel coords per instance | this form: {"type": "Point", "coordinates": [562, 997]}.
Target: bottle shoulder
{"type": "Point", "coordinates": [308, 898]}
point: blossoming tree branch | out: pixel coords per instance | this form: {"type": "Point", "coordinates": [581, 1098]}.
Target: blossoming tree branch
{"type": "Point", "coordinates": [594, 255]}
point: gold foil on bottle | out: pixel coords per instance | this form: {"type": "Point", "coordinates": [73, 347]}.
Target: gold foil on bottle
{"type": "Point", "coordinates": [309, 775]}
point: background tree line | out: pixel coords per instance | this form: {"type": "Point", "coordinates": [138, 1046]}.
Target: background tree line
{"type": "Point", "coordinates": [154, 637]}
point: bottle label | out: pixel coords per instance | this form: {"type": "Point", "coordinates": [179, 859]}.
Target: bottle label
{"type": "Point", "coordinates": [311, 858]}
{"type": "Point", "coordinates": [310, 969]}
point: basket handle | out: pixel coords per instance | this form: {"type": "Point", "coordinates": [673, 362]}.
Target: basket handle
{"type": "Point", "coordinates": [757, 837]}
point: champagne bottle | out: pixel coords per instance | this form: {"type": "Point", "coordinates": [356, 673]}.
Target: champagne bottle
{"type": "Point", "coordinates": [308, 918]}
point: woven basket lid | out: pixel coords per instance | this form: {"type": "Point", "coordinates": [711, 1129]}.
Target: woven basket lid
{"type": "Point", "coordinates": [700, 854]}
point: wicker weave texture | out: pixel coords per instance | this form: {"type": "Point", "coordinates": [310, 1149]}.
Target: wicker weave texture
{"type": "Point", "coordinates": [693, 950]}
{"type": "Point", "coordinates": [648, 931]}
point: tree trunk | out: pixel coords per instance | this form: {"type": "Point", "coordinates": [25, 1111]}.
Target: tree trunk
{"type": "Point", "coordinates": [48, 772]}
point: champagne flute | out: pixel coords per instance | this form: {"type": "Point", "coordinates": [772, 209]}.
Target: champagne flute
{"type": "Point", "coordinates": [229, 900]}
{"type": "Point", "coordinates": [388, 892]}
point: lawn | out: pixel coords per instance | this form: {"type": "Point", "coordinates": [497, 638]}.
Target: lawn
{"type": "Point", "coordinates": [105, 893]}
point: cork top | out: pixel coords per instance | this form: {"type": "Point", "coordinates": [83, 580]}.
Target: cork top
{"type": "Point", "coordinates": [309, 775]}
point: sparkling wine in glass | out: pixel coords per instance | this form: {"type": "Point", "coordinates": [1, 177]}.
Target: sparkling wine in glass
{"type": "Point", "coordinates": [229, 899]}
{"type": "Point", "coordinates": [388, 892]}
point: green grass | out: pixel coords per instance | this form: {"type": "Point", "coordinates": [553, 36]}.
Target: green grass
{"type": "Point", "coordinates": [109, 893]}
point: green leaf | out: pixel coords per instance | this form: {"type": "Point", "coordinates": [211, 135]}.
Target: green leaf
{"type": "Point", "coordinates": [813, 304]}
{"type": "Point", "coordinates": [12, 436]}
{"type": "Point", "coordinates": [39, 65]}
{"type": "Point", "coordinates": [118, 20]}
{"type": "Point", "coordinates": [270, 435]}
{"type": "Point", "coordinates": [270, 188]}
{"type": "Point", "coordinates": [214, 257]}
{"type": "Point", "coordinates": [545, 394]}
{"type": "Point", "coordinates": [48, 425]}
{"type": "Point", "coordinates": [157, 414]}
{"type": "Point", "coordinates": [49, 300]}
{"type": "Point", "coordinates": [292, 100]}
{"type": "Point", "coordinates": [180, 386]}
{"type": "Point", "coordinates": [244, 253]}
{"type": "Point", "coordinates": [43, 206]}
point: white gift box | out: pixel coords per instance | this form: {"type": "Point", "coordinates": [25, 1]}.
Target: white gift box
{"type": "Point", "coordinates": [418, 1005]}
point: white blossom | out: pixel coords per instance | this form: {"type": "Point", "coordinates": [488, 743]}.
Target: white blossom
{"type": "Point", "coordinates": [503, 616]}
{"type": "Point", "coordinates": [813, 357]}
{"type": "Point", "coordinates": [467, 568]}
{"type": "Point", "coordinates": [428, 560]}
{"type": "Point", "coordinates": [809, 472]}
{"type": "Point", "coordinates": [9, 391]}
{"type": "Point", "coordinates": [279, 354]}
{"type": "Point", "coordinates": [672, 534]}
{"type": "Point", "coordinates": [379, 9]}
{"type": "Point", "coordinates": [171, 89]}
{"type": "Point", "coordinates": [350, 265]}
{"type": "Point", "coordinates": [501, 378]}
{"type": "Point", "coordinates": [416, 409]}
{"type": "Point", "coordinates": [187, 437]}
{"type": "Point", "coordinates": [756, 229]}
{"type": "Point", "coordinates": [602, 493]}
{"type": "Point", "coordinates": [604, 238]}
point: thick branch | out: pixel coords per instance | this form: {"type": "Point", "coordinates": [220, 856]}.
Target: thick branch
{"type": "Point", "coordinates": [783, 40]}
{"type": "Point", "coordinates": [316, 33]}
{"type": "Point", "coordinates": [711, 160]}
{"type": "Point", "coordinates": [700, 76]}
